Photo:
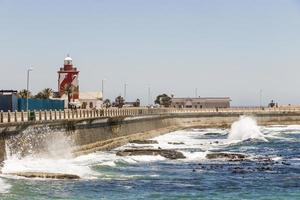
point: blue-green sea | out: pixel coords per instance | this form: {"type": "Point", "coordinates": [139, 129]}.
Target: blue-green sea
{"type": "Point", "coordinates": [270, 170]}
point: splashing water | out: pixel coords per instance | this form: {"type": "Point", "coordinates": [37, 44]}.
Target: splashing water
{"type": "Point", "coordinates": [4, 187]}
{"type": "Point", "coordinates": [42, 150]}
{"type": "Point", "coordinates": [245, 128]}
{"type": "Point", "coordinates": [39, 142]}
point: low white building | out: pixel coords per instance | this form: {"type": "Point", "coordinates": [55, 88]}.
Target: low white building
{"type": "Point", "coordinates": [87, 100]}
{"type": "Point", "coordinates": [90, 100]}
{"type": "Point", "coordinates": [208, 102]}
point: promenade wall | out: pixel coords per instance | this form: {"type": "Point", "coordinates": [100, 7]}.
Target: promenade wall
{"type": "Point", "coordinates": [94, 130]}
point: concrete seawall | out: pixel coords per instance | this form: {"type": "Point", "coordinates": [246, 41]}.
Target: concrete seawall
{"type": "Point", "coordinates": [104, 133]}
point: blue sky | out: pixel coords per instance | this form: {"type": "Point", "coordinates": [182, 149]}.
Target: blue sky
{"type": "Point", "coordinates": [224, 48]}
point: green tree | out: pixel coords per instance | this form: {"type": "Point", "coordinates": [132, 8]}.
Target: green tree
{"type": "Point", "coordinates": [163, 100]}
{"type": "Point", "coordinates": [44, 94]}
{"type": "Point", "coordinates": [137, 103]}
{"type": "Point", "coordinates": [23, 94]}
{"type": "Point", "coordinates": [107, 103]}
{"type": "Point", "coordinates": [119, 101]}
{"type": "Point", "coordinates": [69, 89]}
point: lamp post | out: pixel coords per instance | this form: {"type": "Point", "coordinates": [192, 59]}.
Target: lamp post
{"type": "Point", "coordinates": [260, 98]}
{"type": "Point", "coordinates": [27, 94]}
{"type": "Point", "coordinates": [149, 98]}
{"type": "Point", "coordinates": [102, 88]}
{"type": "Point", "coordinates": [125, 87]}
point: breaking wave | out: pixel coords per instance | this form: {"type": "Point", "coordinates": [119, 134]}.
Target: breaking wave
{"type": "Point", "coordinates": [245, 128]}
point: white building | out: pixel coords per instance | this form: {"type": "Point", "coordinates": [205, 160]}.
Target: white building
{"type": "Point", "coordinates": [90, 100]}
{"type": "Point", "coordinates": [208, 102]}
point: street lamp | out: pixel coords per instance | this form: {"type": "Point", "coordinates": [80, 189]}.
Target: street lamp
{"type": "Point", "coordinates": [260, 98]}
{"type": "Point", "coordinates": [125, 87]}
{"type": "Point", "coordinates": [27, 94]}
{"type": "Point", "coordinates": [149, 94]}
{"type": "Point", "coordinates": [102, 89]}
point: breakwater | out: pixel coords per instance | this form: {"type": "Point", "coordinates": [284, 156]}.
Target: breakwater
{"type": "Point", "coordinates": [86, 131]}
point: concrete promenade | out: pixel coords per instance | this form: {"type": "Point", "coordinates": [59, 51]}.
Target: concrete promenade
{"type": "Point", "coordinates": [95, 130]}
{"type": "Point", "coordinates": [21, 117]}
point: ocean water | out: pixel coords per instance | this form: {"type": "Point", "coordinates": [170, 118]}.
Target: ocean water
{"type": "Point", "coordinates": [271, 170]}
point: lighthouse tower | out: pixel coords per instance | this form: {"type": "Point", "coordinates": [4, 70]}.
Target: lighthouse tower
{"type": "Point", "coordinates": [68, 80]}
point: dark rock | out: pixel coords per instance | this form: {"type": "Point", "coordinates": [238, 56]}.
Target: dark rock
{"type": "Point", "coordinates": [239, 171]}
{"type": "Point", "coordinates": [170, 154]}
{"type": "Point", "coordinates": [285, 163]}
{"type": "Point", "coordinates": [143, 141]}
{"type": "Point", "coordinates": [46, 175]}
{"type": "Point", "coordinates": [212, 134]}
{"type": "Point", "coordinates": [175, 143]}
{"type": "Point", "coordinates": [228, 156]}
{"type": "Point", "coordinates": [264, 169]}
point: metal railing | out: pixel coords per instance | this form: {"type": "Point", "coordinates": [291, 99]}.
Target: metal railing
{"type": "Point", "coordinates": [12, 117]}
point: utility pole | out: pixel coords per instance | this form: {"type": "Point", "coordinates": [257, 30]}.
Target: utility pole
{"type": "Point", "coordinates": [196, 92]}
{"type": "Point", "coordinates": [102, 89]}
{"type": "Point", "coordinates": [125, 87]}
{"type": "Point", "coordinates": [27, 88]}
{"type": "Point", "coordinates": [260, 98]}
{"type": "Point", "coordinates": [149, 98]}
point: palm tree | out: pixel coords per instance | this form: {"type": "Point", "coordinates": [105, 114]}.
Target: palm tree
{"type": "Point", "coordinates": [23, 94]}
{"type": "Point", "coordinates": [44, 94]}
{"type": "Point", "coordinates": [47, 93]}
{"type": "Point", "coordinates": [69, 89]}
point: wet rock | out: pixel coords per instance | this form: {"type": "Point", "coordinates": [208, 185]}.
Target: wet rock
{"type": "Point", "coordinates": [228, 156]}
{"type": "Point", "coordinates": [212, 134]}
{"type": "Point", "coordinates": [170, 154]}
{"type": "Point", "coordinates": [143, 141]}
{"type": "Point", "coordinates": [176, 143]}
{"type": "Point", "coordinates": [46, 175]}
{"type": "Point", "coordinates": [264, 168]}
{"type": "Point", "coordinates": [239, 170]}
{"type": "Point", "coordinates": [285, 163]}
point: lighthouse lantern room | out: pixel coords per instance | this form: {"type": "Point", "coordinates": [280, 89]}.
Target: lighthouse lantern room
{"type": "Point", "coordinates": [68, 80]}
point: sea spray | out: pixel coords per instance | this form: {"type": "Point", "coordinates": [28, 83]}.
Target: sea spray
{"type": "Point", "coordinates": [41, 149]}
{"type": "Point", "coordinates": [4, 186]}
{"type": "Point", "coordinates": [245, 128]}
{"type": "Point", "coordinates": [40, 141]}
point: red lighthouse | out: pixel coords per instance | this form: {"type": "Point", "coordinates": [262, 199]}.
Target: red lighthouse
{"type": "Point", "coordinates": [68, 80]}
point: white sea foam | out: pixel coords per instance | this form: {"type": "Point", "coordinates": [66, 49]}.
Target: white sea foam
{"type": "Point", "coordinates": [194, 144]}
{"type": "Point", "coordinates": [195, 156]}
{"type": "Point", "coordinates": [141, 159]}
{"type": "Point", "coordinates": [245, 128]}
{"type": "Point", "coordinates": [189, 140]}
{"type": "Point", "coordinates": [33, 164]}
{"type": "Point", "coordinates": [277, 158]}
{"type": "Point", "coordinates": [4, 186]}
{"type": "Point", "coordinates": [282, 129]}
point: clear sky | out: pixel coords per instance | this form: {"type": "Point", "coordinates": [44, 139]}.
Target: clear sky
{"type": "Point", "coordinates": [224, 48]}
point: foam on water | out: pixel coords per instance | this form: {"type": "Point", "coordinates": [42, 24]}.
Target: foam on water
{"type": "Point", "coordinates": [4, 186]}
{"type": "Point", "coordinates": [195, 156]}
{"type": "Point", "coordinates": [187, 140]}
{"type": "Point", "coordinates": [245, 128]}
{"type": "Point", "coordinates": [194, 144]}
{"type": "Point", "coordinates": [44, 150]}
{"type": "Point", "coordinates": [33, 164]}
